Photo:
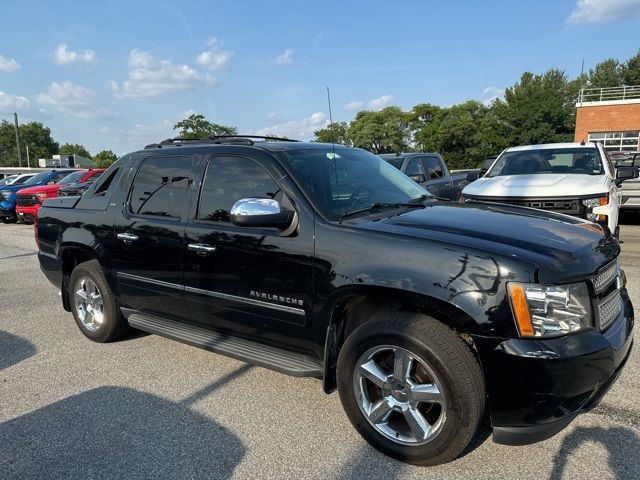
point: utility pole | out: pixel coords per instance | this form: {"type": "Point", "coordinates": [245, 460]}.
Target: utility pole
{"type": "Point", "coordinates": [28, 162]}
{"type": "Point", "coordinates": [15, 121]}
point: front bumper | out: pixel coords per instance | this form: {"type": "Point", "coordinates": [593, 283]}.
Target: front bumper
{"type": "Point", "coordinates": [7, 213]}
{"type": "Point", "coordinates": [537, 386]}
{"type": "Point", "coordinates": [28, 213]}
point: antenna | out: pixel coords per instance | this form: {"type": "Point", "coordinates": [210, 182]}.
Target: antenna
{"type": "Point", "coordinates": [333, 147]}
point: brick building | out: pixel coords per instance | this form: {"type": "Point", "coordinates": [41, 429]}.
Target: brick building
{"type": "Point", "coordinates": [609, 115]}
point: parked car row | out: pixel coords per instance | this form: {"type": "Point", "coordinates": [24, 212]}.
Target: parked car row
{"type": "Point", "coordinates": [578, 179]}
{"type": "Point", "coordinates": [320, 260]}
{"type": "Point", "coordinates": [22, 196]}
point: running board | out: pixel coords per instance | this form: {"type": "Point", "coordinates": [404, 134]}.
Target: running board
{"type": "Point", "coordinates": [283, 361]}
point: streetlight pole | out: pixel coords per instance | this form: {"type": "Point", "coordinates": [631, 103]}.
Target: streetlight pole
{"type": "Point", "coordinates": [15, 121]}
{"type": "Point", "coordinates": [28, 162]}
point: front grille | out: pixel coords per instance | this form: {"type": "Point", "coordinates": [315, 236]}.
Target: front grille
{"type": "Point", "coordinates": [566, 206]}
{"type": "Point", "coordinates": [605, 277]}
{"type": "Point", "coordinates": [609, 309]}
{"type": "Point", "coordinates": [23, 200]}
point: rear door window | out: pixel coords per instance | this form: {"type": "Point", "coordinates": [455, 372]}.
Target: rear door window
{"type": "Point", "coordinates": [160, 187]}
{"type": "Point", "coordinates": [414, 167]}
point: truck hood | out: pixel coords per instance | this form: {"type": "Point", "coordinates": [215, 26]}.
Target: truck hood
{"type": "Point", "coordinates": [15, 188]}
{"type": "Point", "coordinates": [560, 247]}
{"type": "Point", "coordinates": [546, 185]}
{"type": "Point", "coordinates": [40, 189]}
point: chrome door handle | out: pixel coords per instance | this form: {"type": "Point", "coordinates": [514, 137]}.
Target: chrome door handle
{"type": "Point", "coordinates": [201, 248]}
{"type": "Point", "coordinates": [127, 237]}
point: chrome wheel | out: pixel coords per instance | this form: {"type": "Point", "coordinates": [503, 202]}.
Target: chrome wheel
{"type": "Point", "coordinates": [399, 395]}
{"type": "Point", "coordinates": [88, 303]}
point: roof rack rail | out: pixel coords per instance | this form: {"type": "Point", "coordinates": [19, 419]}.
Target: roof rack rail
{"type": "Point", "coordinates": [218, 139]}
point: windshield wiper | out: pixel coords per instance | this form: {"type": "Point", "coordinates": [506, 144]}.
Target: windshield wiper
{"type": "Point", "coordinates": [378, 205]}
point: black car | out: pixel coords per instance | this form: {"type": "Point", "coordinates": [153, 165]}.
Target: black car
{"type": "Point", "coordinates": [325, 261]}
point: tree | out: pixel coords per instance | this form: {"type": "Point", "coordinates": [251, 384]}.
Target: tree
{"type": "Point", "coordinates": [464, 134]}
{"type": "Point", "coordinates": [74, 149]}
{"type": "Point", "coordinates": [104, 158]}
{"type": "Point", "coordinates": [32, 134]}
{"type": "Point", "coordinates": [197, 126]}
{"type": "Point", "coordinates": [538, 109]}
{"type": "Point", "coordinates": [607, 73]}
{"type": "Point", "coordinates": [631, 70]}
{"type": "Point", "coordinates": [386, 131]}
{"type": "Point", "coordinates": [335, 132]}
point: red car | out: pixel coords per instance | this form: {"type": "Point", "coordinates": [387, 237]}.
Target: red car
{"type": "Point", "coordinates": [29, 200]}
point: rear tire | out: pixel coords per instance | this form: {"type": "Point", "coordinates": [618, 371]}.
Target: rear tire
{"type": "Point", "coordinates": [411, 387]}
{"type": "Point", "coordinates": [93, 305]}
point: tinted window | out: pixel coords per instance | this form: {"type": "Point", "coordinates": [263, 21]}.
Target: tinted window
{"type": "Point", "coordinates": [396, 162]}
{"type": "Point", "coordinates": [414, 167]}
{"type": "Point", "coordinates": [229, 179]}
{"type": "Point", "coordinates": [433, 167]}
{"type": "Point", "coordinates": [160, 187]}
{"type": "Point", "coordinates": [40, 177]}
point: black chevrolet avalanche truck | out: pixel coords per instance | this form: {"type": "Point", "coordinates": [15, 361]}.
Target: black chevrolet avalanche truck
{"type": "Point", "coordinates": [325, 261]}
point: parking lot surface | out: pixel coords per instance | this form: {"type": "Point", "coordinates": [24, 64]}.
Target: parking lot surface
{"type": "Point", "coordinates": [148, 407]}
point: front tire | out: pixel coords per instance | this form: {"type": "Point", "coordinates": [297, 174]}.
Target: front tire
{"type": "Point", "coordinates": [411, 387]}
{"type": "Point", "coordinates": [93, 305]}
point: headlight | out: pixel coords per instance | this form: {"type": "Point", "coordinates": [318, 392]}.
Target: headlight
{"type": "Point", "coordinates": [550, 310]}
{"type": "Point", "coordinates": [6, 194]}
{"type": "Point", "coordinates": [40, 197]}
{"type": "Point", "coordinates": [594, 202]}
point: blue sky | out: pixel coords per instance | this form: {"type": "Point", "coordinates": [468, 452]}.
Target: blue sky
{"type": "Point", "coordinates": [118, 75]}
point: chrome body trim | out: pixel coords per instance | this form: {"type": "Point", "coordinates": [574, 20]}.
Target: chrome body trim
{"type": "Point", "coordinates": [210, 293]}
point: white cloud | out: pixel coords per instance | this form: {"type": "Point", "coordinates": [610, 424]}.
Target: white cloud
{"type": "Point", "coordinates": [63, 56]}
{"type": "Point", "coordinates": [373, 104]}
{"type": "Point", "coordinates": [490, 94]}
{"type": "Point", "coordinates": [9, 64]}
{"type": "Point", "coordinates": [378, 103]}
{"type": "Point", "coordinates": [285, 58]}
{"type": "Point", "coordinates": [603, 11]}
{"type": "Point", "coordinates": [73, 100]}
{"type": "Point", "coordinates": [11, 103]}
{"type": "Point", "coordinates": [215, 58]}
{"type": "Point", "coordinates": [354, 105]}
{"type": "Point", "coordinates": [150, 76]}
{"type": "Point", "coordinates": [297, 129]}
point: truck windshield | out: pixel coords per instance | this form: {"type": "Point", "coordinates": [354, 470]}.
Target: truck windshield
{"type": "Point", "coordinates": [72, 178]}
{"type": "Point", "coordinates": [348, 180]}
{"type": "Point", "coordinates": [584, 161]}
{"type": "Point", "coordinates": [40, 177]}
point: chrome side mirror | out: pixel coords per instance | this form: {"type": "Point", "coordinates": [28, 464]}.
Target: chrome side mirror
{"type": "Point", "coordinates": [260, 212]}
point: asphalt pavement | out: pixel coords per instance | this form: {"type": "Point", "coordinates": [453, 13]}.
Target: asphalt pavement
{"type": "Point", "coordinates": [148, 407]}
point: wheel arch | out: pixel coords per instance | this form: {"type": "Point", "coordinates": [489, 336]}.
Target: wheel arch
{"type": "Point", "coordinates": [72, 254]}
{"type": "Point", "coordinates": [354, 306]}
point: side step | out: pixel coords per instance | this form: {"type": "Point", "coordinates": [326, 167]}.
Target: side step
{"type": "Point", "coordinates": [255, 353]}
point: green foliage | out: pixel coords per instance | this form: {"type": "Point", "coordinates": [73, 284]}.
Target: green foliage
{"type": "Point", "coordinates": [197, 126]}
{"type": "Point", "coordinates": [33, 134]}
{"type": "Point", "coordinates": [104, 158]}
{"type": "Point", "coordinates": [74, 149]}
{"type": "Point", "coordinates": [607, 73]}
{"type": "Point", "coordinates": [631, 70]}
{"type": "Point", "coordinates": [386, 131]}
{"type": "Point", "coordinates": [538, 109]}
{"type": "Point", "coordinates": [335, 132]}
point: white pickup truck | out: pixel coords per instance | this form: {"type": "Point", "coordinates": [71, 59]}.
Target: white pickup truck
{"type": "Point", "coordinates": [576, 179]}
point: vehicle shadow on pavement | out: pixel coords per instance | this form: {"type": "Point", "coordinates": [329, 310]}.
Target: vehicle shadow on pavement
{"type": "Point", "coordinates": [116, 432]}
{"type": "Point", "coordinates": [14, 349]}
{"type": "Point", "coordinates": [622, 444]}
